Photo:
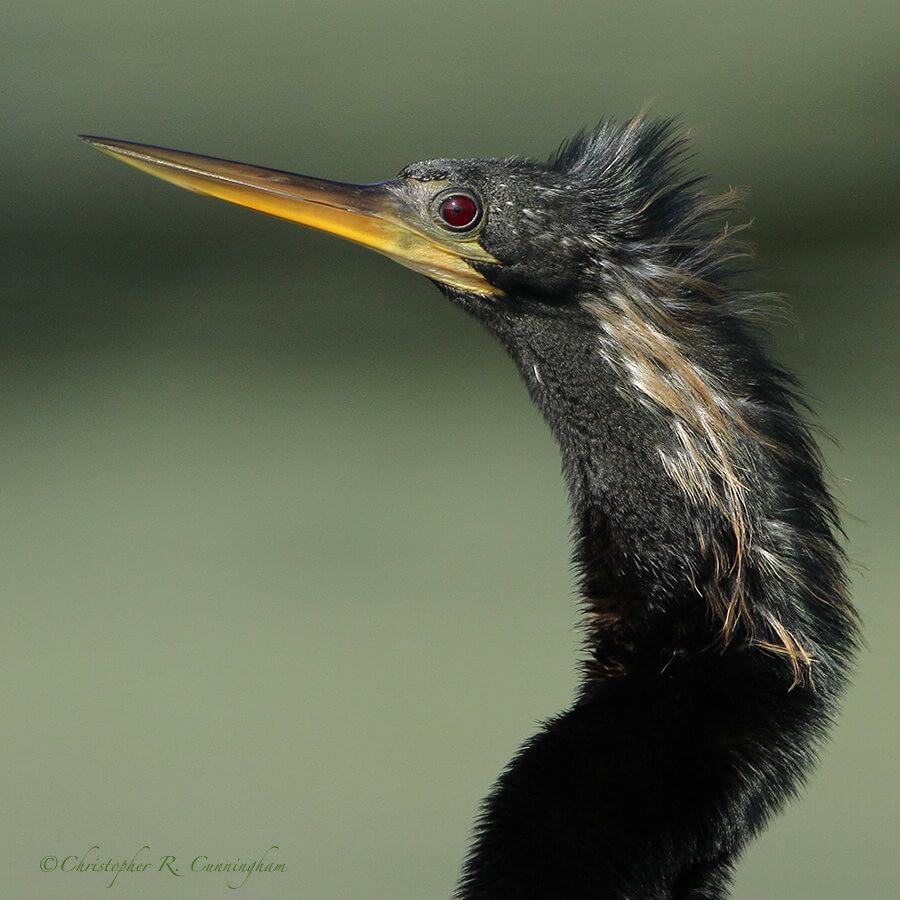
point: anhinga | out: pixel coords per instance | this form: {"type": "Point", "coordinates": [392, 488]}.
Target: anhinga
{"type": "Point", "coordinates": [718, 628]}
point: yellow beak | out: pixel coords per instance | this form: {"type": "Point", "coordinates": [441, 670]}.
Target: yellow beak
{"type": "Point", "coordinates": [374, 215]}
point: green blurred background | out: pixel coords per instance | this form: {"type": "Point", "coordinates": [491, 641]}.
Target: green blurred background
{"type": "Point", "coordinates": [285, 554]}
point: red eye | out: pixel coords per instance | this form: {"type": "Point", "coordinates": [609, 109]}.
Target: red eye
{"type": "Point", "coordinates": [459, 211]}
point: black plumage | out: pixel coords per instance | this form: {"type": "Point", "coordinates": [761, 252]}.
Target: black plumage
{"type": "Point", "coordinates": [718, 629]}
{"type": "Point", "coordinates": [718, 632]}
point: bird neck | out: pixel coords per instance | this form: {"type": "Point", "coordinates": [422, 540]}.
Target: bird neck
{"type": "Point", "coordinates": [718, 631]}
{"type": "Point", "coordinates": [690, 727]}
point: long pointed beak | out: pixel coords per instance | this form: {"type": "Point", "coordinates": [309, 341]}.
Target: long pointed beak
{"type": "Point", "coordinates": [373, 215]}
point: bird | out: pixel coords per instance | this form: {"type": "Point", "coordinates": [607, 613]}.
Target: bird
{"type": "Point", "coordinates": [718, 631]}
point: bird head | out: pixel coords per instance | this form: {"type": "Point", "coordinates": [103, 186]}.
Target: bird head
{"type": "Point", "coordinates": [479, 228]}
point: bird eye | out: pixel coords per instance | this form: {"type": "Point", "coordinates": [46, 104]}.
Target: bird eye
{"type": "Point", "coordinates": [459, 211]}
